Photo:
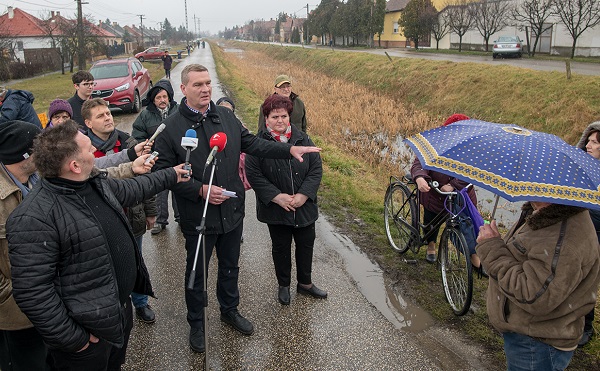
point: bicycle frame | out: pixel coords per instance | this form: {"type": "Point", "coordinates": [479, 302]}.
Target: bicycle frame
{"type": "Point", "coordinates": [447, 217]}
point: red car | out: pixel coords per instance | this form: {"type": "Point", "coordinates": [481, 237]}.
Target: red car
{"type": "Point", "coordinates": [123, 83]}
{"type": "Point", "coordinates": [150, 53]}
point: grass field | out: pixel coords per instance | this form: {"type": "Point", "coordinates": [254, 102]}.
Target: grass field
{"type": "Point", "coordinates": [359, 106]}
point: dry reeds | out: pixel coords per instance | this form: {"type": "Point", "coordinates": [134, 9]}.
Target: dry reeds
{"type": "Point", "coordinates": [350, 116]}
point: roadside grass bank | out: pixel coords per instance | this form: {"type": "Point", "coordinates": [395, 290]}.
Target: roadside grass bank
{"type": "Point", "coordinates": [49, 87]}
{"type": "Point", "coordinates": [544, 101]}
{"type": "Point", "coordinates": [357, 116]}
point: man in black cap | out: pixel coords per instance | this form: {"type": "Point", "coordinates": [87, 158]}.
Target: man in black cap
{"type": "Point", "coordinates": [21, 346]}
{"type": "Point", "coordinates": [73, 255]}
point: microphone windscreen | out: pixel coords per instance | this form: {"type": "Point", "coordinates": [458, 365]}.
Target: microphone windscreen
{"type": "Point", "coordinates": [218, 140]}
{"type": "Point", "coordinates": [190, 133]}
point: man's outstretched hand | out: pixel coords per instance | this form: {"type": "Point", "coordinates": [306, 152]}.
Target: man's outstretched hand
{"type": "Point", "coordinates": [298, 151]}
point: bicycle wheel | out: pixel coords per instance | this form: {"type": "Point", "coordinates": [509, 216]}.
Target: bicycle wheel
{"type": "Point", "coordinates": [457, 274]}
{"type": "Point", "coordinates": [399, 213]}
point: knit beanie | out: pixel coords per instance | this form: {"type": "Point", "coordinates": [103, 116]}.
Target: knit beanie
{"type": "Point", "coordinates": [454, 118]}
{"type": "Point", "coordinates": [59, 105]}
{"type": "Point", "coordinates": [16, 140]}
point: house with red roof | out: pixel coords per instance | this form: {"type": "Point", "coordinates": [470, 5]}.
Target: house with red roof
{"type": "Point", "coordinates": [27, 33]}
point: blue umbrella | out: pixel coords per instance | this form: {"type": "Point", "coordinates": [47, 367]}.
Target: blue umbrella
{"type": "Point", "coordinates": [516, 163]}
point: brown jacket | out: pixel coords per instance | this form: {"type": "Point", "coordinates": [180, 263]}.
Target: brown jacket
{"type": "Point", "coordinates": [544, 275]}
{"type": "Point", "coordinates": [11, 317]}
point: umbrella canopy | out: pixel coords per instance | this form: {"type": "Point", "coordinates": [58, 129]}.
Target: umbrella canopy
{"type": "Point", "coordinates": [514, 162]}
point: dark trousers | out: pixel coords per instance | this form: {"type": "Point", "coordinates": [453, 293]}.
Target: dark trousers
{"type": "Point", "coordinates": [228, 255]}
{"type": "Point", "coordinates": [428, 216]}
{"type": "Point", "coordinates": [304, 239]}
{"type": "Point", "coordinates": [162, 203]}
{"type": "Point", "coordinates": [168, 73]}
{"type": "Point", "coordinates": [100, 356]}
{"type": "Point", "coordinates": [22, 350]}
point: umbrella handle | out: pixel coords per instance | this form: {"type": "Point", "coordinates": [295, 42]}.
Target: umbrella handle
{"type": "Point", "coordinates": [495, 207]}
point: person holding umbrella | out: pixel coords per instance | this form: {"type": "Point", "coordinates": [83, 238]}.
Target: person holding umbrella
{"type": "Point", "coordinates": [590, 142]}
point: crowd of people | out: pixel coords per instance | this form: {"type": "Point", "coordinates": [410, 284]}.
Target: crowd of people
{"type": "Point", "coordinates": [72, 271]}
{"type": "Point", "coordinates": [77, 196]}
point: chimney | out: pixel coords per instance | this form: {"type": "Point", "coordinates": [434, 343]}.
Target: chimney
{"type": "Point", "coordinates": [115, 24]}
{"type": "Point", "coordinates": [58, 13]}
{"type": "Point", "coordinates": [11, 12]}
{"type": "Point", "coordinates": [52, 13]}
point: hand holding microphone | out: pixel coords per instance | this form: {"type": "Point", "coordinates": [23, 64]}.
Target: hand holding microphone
{"type": "Point", "coordinates": [189, 142]}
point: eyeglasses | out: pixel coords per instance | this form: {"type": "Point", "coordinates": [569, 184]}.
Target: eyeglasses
{"type": "Point", "coordinates": [87, 84]}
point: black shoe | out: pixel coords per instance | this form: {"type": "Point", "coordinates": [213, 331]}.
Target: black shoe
{"type": "Point", "coordinates": [588, 334]}
{"type": "Point", "coordinates": [314, 291]}
{"type": "Point", "coordinates": [197, 340]}
{"type": "Point", "coordinates": [145, 314]}
{"type": "Point", "coordinates": [157, 229]}
{"type": "Point", "coordinates": [284, 295]}
{"type": "Point", "coordinates": [235, 319]}
{"type": "Point", "coordinates": [242, 239]}
{"type": "Point", "coordinates": [481, 273]}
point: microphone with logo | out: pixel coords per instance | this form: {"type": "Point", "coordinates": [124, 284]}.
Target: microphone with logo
{"type": "Point", "coordinates": [217, 143]}
{"type": "Point", "coordinates": [189, 143]}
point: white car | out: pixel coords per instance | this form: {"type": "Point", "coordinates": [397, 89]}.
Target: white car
{"type": "Point", "coordinates": [507, 46]}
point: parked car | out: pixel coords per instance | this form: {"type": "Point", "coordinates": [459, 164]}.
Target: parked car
{"type": "Point", "coordinates": [150, 53]}
{"type": "Point", "coordinates": [123, 83]}
{"type": "Point", "coordinates": [507, 46]}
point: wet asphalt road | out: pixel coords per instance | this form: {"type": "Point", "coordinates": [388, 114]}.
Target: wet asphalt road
{"type": "Point", "coordinates": [363, 325]}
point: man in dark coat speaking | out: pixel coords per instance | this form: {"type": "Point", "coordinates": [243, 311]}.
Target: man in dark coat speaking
{"type": "Point", "coordinates": [225, 215]}
{"type": "Point", "coordinates": [73, 255]}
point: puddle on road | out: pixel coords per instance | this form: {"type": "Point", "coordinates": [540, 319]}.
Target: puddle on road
{"type": "Point", "coordinates": [373, 285]}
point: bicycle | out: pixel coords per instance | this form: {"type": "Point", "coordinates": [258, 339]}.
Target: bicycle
{"type": "Point", "coordinates": [404, 229]}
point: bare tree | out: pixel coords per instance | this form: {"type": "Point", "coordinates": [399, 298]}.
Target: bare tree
{"type": "Point", "coordinates": [489, 17]}
{"type": "Point", "coordinates": [578, 16]}
{"type": "Point", "coordinates": [534, 14]}
{"type": "Point", "coordinates": [440, 28]}
{"type": "Point", "coordinates": [58, 40]}
{"type": "Point", "coordinates": [460, 19]}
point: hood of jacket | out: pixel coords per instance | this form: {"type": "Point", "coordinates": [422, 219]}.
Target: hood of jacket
{"type": "Point", "coordinates": [549, 215]}
{"type": "Point", "coordinates": [160, 85]}
{"type": "Point", "coordinates": [594, 126]}
{"type": "Point", "coordinates": [20, 94]}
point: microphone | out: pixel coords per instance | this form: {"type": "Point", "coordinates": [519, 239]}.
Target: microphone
{"type": "Point", "coordinates": [217, 143]}
{"type": "Point", "coordinates": [159, 130]}
{"type": "Point", "coordinates": [189, 142]}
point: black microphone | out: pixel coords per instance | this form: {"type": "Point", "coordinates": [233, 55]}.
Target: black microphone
{"type": "Point", "coordinates": [189, 142]}
{"type": "Point", "coordinates": [217, 142]}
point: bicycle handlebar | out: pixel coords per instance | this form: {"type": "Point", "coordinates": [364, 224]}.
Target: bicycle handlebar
{"type": "Point", "coordinates": [435, 185]}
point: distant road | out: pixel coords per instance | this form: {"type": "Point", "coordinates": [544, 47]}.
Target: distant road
{"type": "Point", "coordinates": [592, 69]}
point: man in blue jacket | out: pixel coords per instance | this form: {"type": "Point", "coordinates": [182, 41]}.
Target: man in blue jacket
{"type": "Point", "coordinates": [17, 105]}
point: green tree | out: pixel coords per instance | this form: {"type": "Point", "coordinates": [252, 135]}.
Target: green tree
{"type": "Point", "coordinates": [417, 20]}
{"type": "Point", "coordinates": [378, 18]}
{"type": "Point", "coordinates": [168, 32]}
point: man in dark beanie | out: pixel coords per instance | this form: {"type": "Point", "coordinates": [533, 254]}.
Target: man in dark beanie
{"type": "Point", "coordinates": [73, 255]}
{"type": "Point", "coordinates": [21, 346]}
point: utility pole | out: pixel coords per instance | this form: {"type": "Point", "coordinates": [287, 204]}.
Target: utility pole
{"type": "Point", "coordinates": [195, 25]}
{"type": "Point", "coordinates": [142, 28]}
{"type": "Point", "coordinates": [80, 39]}
{"type": "Point", "coordinates": [307, 24]}
{"type": "Point", "coordinates": [186, 25]}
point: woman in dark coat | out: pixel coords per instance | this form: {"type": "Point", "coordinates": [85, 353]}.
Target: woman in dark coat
{"type": "Point", "coordinates": [433, 202]}
{"type": "Point", "coordinates": [286, 199]}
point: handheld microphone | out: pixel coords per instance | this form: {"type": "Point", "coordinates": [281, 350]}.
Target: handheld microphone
{"type": "Point", "coordinates": [159, 130]}
{"type": "Point", "coordinates": [189, 142]}
{"type": "Point", "coordinates": [217, 143]}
